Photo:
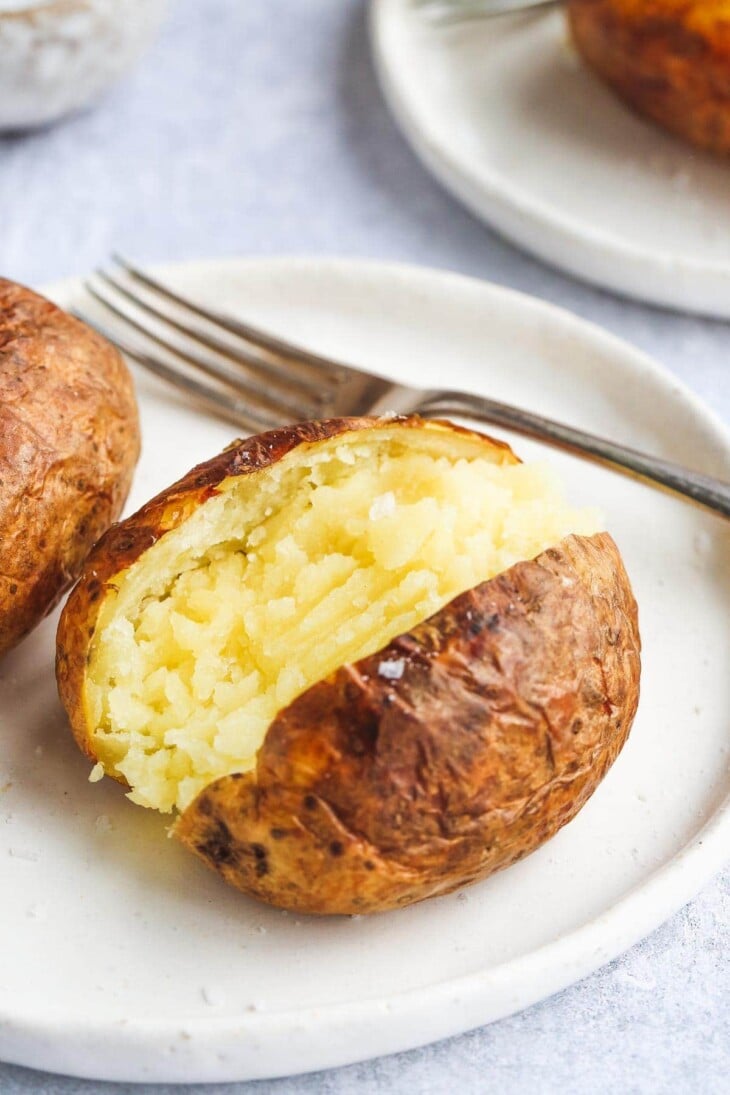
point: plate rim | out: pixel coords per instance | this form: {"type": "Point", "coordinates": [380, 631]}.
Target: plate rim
{"type": "Point", "coordinates": [458, 1001]}
{"type": "Point", "coordinates": [553, 229]}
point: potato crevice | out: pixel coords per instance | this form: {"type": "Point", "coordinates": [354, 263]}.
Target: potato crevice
{"type": "Point", "coordinates": [275, 582]}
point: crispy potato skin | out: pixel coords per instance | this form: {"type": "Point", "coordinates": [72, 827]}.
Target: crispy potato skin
{"type": "Point", "coordinates": [370, 794]}
{"type": "Point", "coordinates": [669, 59]}
{"type": "Point", "coordinates": [69, 442]}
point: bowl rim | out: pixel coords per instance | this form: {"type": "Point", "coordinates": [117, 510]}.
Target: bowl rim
{"type": "Point", "coordinates": [31, 9]}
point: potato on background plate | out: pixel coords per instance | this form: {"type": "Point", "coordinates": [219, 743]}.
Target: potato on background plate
{"type": "Point", "coordinates": [366, 661]}
{"type": "Point", "coordinates": [69, 443]}
{"type": "Point", "coordinates": [669, 59]}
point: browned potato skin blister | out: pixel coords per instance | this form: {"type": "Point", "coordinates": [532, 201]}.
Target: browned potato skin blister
{"type": "Point", "coordinates": [661, 62]}
{"type": "Point", "coordinates": [69, 443]}
{"type": "Point", "coordinates": [372, 793]}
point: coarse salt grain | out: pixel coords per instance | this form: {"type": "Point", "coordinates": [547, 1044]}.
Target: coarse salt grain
{"type": "Point", "coordinates": [392, 671]}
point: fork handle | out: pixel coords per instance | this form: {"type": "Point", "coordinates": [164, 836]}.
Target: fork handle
{"type": "Point", "coordinates": [458, 11]}
{"type": "Point", "coordinates": [702, 489]}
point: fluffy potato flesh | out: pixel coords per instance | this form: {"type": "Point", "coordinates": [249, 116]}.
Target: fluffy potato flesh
{"type": "Point", "coordinates": [276, 581]}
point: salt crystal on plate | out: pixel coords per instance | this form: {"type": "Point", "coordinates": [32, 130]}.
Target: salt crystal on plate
{"type": "Point", "coordinates": [21, 853]}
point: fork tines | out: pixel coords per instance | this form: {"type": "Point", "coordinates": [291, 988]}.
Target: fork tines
{"type": "Point", "coordinates": [253, 378]}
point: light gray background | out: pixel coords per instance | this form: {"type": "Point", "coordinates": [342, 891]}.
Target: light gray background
{"type": "Point", "coordinates": [256, 127]}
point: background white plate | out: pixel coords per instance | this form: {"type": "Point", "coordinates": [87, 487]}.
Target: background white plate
{"type": "Point", "coordinates": [121, 957]}
{"type": "Point", "coordinates": [506, 116]}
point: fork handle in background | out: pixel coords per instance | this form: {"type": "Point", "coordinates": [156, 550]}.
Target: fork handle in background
{"type": "Point", "coordinates": [459, 11]}
{"type": "Point", "coordinates": [702, 489]}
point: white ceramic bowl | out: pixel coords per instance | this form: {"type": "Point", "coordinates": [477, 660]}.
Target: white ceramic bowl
{"type": "Point", "coordinates": [57, 56]}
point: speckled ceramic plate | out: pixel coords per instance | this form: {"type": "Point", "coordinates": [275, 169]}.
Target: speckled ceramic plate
{"type": "Point", "coordinates": [122, 957]}
{"type": "Point", "coordinates": [507, 117]}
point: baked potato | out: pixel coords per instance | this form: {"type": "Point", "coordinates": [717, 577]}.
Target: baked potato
{"type": "Point", "coordinates": [366, 661]}
{"type": "Point", "coordinates": [669, 59]}
{"type": "Point", "coordinates": [69, 442]}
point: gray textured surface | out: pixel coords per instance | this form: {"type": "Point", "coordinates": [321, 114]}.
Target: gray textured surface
{"type": "Point", "coordinates": [257, 128]}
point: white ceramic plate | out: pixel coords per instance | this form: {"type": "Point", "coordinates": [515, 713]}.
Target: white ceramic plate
{"type": "Point", "coordinates": [506, 116]}
{"type": "Point", "coordinates": [122, 957]}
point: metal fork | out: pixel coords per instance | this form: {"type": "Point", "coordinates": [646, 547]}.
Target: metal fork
{"type": "Point", "coordinates": [259, 381]}
{"type": "Point", "coordinates": [459, 11]}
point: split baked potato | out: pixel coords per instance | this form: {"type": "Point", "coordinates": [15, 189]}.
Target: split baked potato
{"type": "Point", "coordinates": [69, 442]}
{"type": "Point", "coordinates": [669, 59]}
{"type": "Point", "coordinates": [366, 661]}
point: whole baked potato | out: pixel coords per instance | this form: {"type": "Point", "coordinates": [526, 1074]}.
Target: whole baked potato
{"type": "Point", "coordinates": [366, 660]}
{"type": "Point", "coordinates": [69, 442]}
{"type": "Point", "coordinates": [669, 59]}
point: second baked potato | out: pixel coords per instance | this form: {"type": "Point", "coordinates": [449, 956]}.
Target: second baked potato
{"type": "Point", "coordinates": [367, 660]}
{"type": "Point", "coordinates": [69, 442]}
{"type": "Point", "coordinates": [669, 59]}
